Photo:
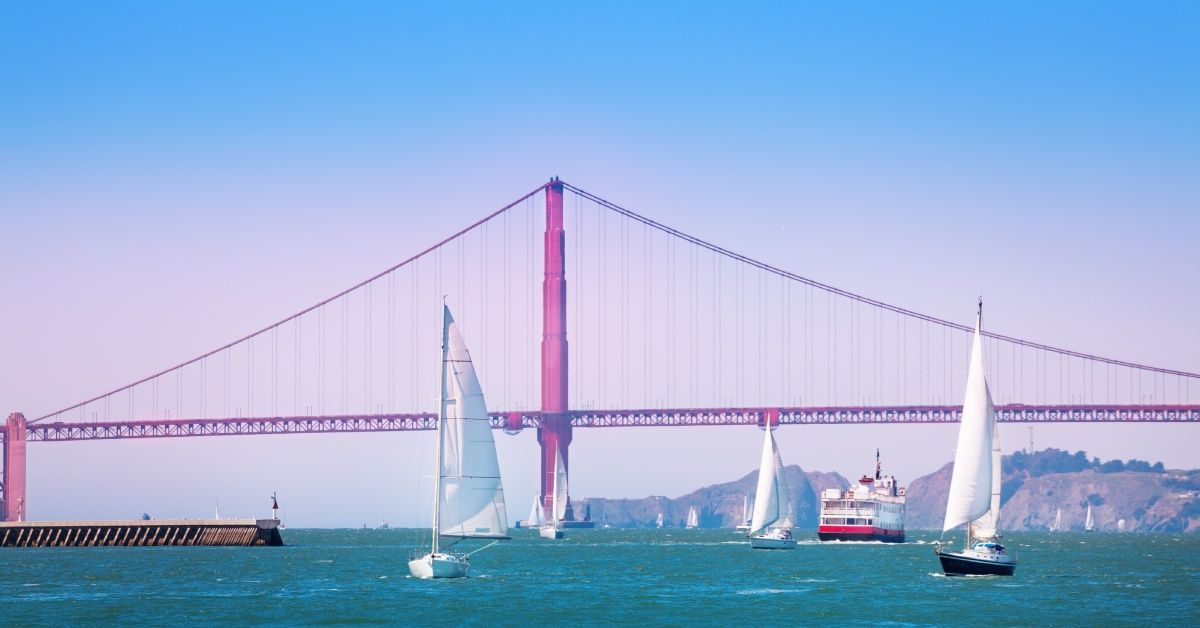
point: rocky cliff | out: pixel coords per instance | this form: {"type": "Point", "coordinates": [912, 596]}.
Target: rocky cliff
{"type": "Point", "coordinates": [1147, 497]}
{"type": "Point", "coordinates": [719, 505]}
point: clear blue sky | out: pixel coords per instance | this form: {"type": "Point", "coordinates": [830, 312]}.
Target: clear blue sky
{"type": "Point", "coordinates": [174, 174]}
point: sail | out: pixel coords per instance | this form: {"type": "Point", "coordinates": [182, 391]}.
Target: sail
{"type": "Point", "coordinates": [1089, 523]}
{"type": "Point", "coordinates": [1057, 520]}
{"type": "Point", "coordinates": [746, 509]}
{"type": "Point", "coordinates": [693, 519]}
{"type": "Point", "coordinates": [786, 512]}
{"type": "Point", "coordinates": [985, 527]}
{"type": "Point", "coordinates": [659, 521]}
{"type": "Point", "coordinates": [971, 481]}
{"type": "Point", "coordinates": [472, 496]}
{"type": "Point", "coordinates": [560, 487]}
{"type": "Point", "coordinates": [535, 513]}
{"type": "Point", "coordinates": [769, 495]}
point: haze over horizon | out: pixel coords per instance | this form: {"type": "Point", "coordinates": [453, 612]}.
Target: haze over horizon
{"type": "Point", "coordinates": [171, 179]}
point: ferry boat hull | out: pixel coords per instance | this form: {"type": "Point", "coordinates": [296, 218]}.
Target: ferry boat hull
{"type": "Point", "coordinates": [860, 533]}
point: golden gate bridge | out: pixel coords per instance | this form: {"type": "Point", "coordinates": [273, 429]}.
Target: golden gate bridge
{"type": "Point", "coordinates": [666, 329]}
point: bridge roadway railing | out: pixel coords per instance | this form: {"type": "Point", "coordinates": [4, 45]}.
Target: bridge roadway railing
{"type": "Point", "coordinates": [514, 422]}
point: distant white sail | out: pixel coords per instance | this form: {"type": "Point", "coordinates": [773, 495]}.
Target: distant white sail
{"type": "Point", "coordinates": [772, 500]}
{"type": "Point", "coordinates": [535, 513]}
{"type": "Point", "coordinates": [1089, 524]}
{"type": "Point", "coordinates": [659, 522]}
{"type": "Point", "coordinates": [971, 481]}
{"type": "Point", "coordinates": [984, 528]}
{"type": "Point", "coordinates": [1057, 521]}
{"type": "Point", "coordinates": [693, 520]}
{"type": "Point", "coordinates": [560, 488]}
{"type": "Point", "coordinates": [746, 509]}
{"type": "Point", "coordinates": [472, 500]}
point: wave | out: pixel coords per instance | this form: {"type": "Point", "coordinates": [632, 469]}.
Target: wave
{"type": "Point", "coordinates": [770, 591]}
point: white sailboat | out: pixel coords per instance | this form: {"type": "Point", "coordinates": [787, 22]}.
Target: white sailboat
{"type": "Point", "coordinates": [552, 529]}
{"type": "Point", "coordinates": [1057, 525]}
{"type": "Point", "coordinates": [771, 525]}
{"type": "Point", "coordinates": [975, 483]}
{"type": "Point", "coordinates": [693, 520]}
{"type": "Point", "coordinates": [1089, 524]}
{"type": "Point", "coordinates": [468, 496]}
{"type": "Point", "coordinates": [744, 526]}
{"type": "Point", "coordinates": [535, 515]}
{"type": "Point", "coordinates": [658, 523]}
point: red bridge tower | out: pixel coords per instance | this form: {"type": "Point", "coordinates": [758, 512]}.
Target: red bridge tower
{"type": "Point", "coordinates": [555, 433]}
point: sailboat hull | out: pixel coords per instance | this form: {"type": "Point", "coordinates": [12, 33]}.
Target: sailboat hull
{"type": "Point", "coordinates": [773, 540]}
{"type": "Point", "coordinates": [439, 566]}
{"type": "Point", "coordinates": [966, 564]}
{"type": "Point", "coordinates": [547, 532]}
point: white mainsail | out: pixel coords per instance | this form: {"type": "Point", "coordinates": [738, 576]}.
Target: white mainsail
{"type": "Point", "coordinates": [658, 523]}
{"type": "Point", "coordinates": [984, 528]}
{"type": "Point", "coordinates": [560, 488]}
{"type": "Point", "coordinates": [535, 514]}
{"type": "Point", "coordinates": [471, 494]}
{"type": "Point", "coordinates": [971, 481]}
{"type": "Point", "coordinates": [772, 500]}
{"type": "Point", "coordinates": [1057, 521]}
{"type": "Point", "coordinates": [1089, 523]}
{"type": "Point", "coordinates": [693, 520]}
{"type": "Point", "coordinates": [746, 509]}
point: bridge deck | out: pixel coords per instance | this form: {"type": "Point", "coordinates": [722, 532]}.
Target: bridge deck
{"type": "Point", "coordinates": [518, 421]}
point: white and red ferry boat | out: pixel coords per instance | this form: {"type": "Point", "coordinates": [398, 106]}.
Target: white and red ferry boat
{"type": "Point", "coordinates": [871, 511]}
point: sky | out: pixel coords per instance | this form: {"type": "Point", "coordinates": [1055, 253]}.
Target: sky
{"type": "Point", "coordinates": [174, 175]}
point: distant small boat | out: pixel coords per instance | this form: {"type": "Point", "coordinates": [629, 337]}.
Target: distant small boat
{"type": "Point", "coordinates": [771, 525]}
{"type": "Point", "coordinates": [1089, 524]}
{"type": "Point", "coordinates": [383, 525]}
{"type": "Point", "coordinates": [974, 497]}
{"type": "Point", "coordinates": [1120, 525]}
{"type": "Point", "coordinates": [658, 523]}
{"type": "Point", "coordinates": [693, 520]}
{"type": "Point", "coordinates": [466, 462]}
{"type": "Point", "coordinates": [1057, 525]}
{"type": "Point", "coordinates": [552, 529]}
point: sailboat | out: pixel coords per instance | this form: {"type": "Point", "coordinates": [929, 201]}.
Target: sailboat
{"type": "Point", "coordinates": [659, 521]}
{"type": "Point", "coordinates": [535, 515]}
{"type": "Point", "coordinates": [1057, 521]}
{"type": "Point", "coordinates": [975, 483]}
{"type": "Point", "coordinates": [744, 526]}
{"type": "Point", "coordinates": [771, 525]}
{"type": "Point", "coordinates": [693, 520]}
{"type": "Point", "coordinates": [468, 496]}
{"type": "Point", "coordinates": [1089, 524]}
{"type": "Point", "coordinates": [552, 529]}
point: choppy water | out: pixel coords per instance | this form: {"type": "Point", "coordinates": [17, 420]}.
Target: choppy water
{"type": "Point", "coordinates": [607, 576]}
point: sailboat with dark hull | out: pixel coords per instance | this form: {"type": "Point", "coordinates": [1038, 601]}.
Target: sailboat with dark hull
{"type": "Point", "coordinates": [975, 483]}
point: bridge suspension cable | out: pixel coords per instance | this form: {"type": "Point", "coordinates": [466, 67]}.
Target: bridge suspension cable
{"type": "Point", "coordinates": [763, 266]}
{"type": "Point", "coordinates": [316, 306]}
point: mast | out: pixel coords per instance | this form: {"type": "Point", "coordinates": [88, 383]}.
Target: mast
{"type": "Point", "coordinates": [437, 482]}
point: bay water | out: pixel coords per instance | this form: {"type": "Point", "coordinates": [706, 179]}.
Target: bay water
{"type": "Point", "coordinates": [607, 576]}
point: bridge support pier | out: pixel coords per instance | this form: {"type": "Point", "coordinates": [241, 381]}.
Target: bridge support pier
{"type": "Point", "coordinates": [12, 491]}
{"type": "Point", "coordinates": [555, 434]}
